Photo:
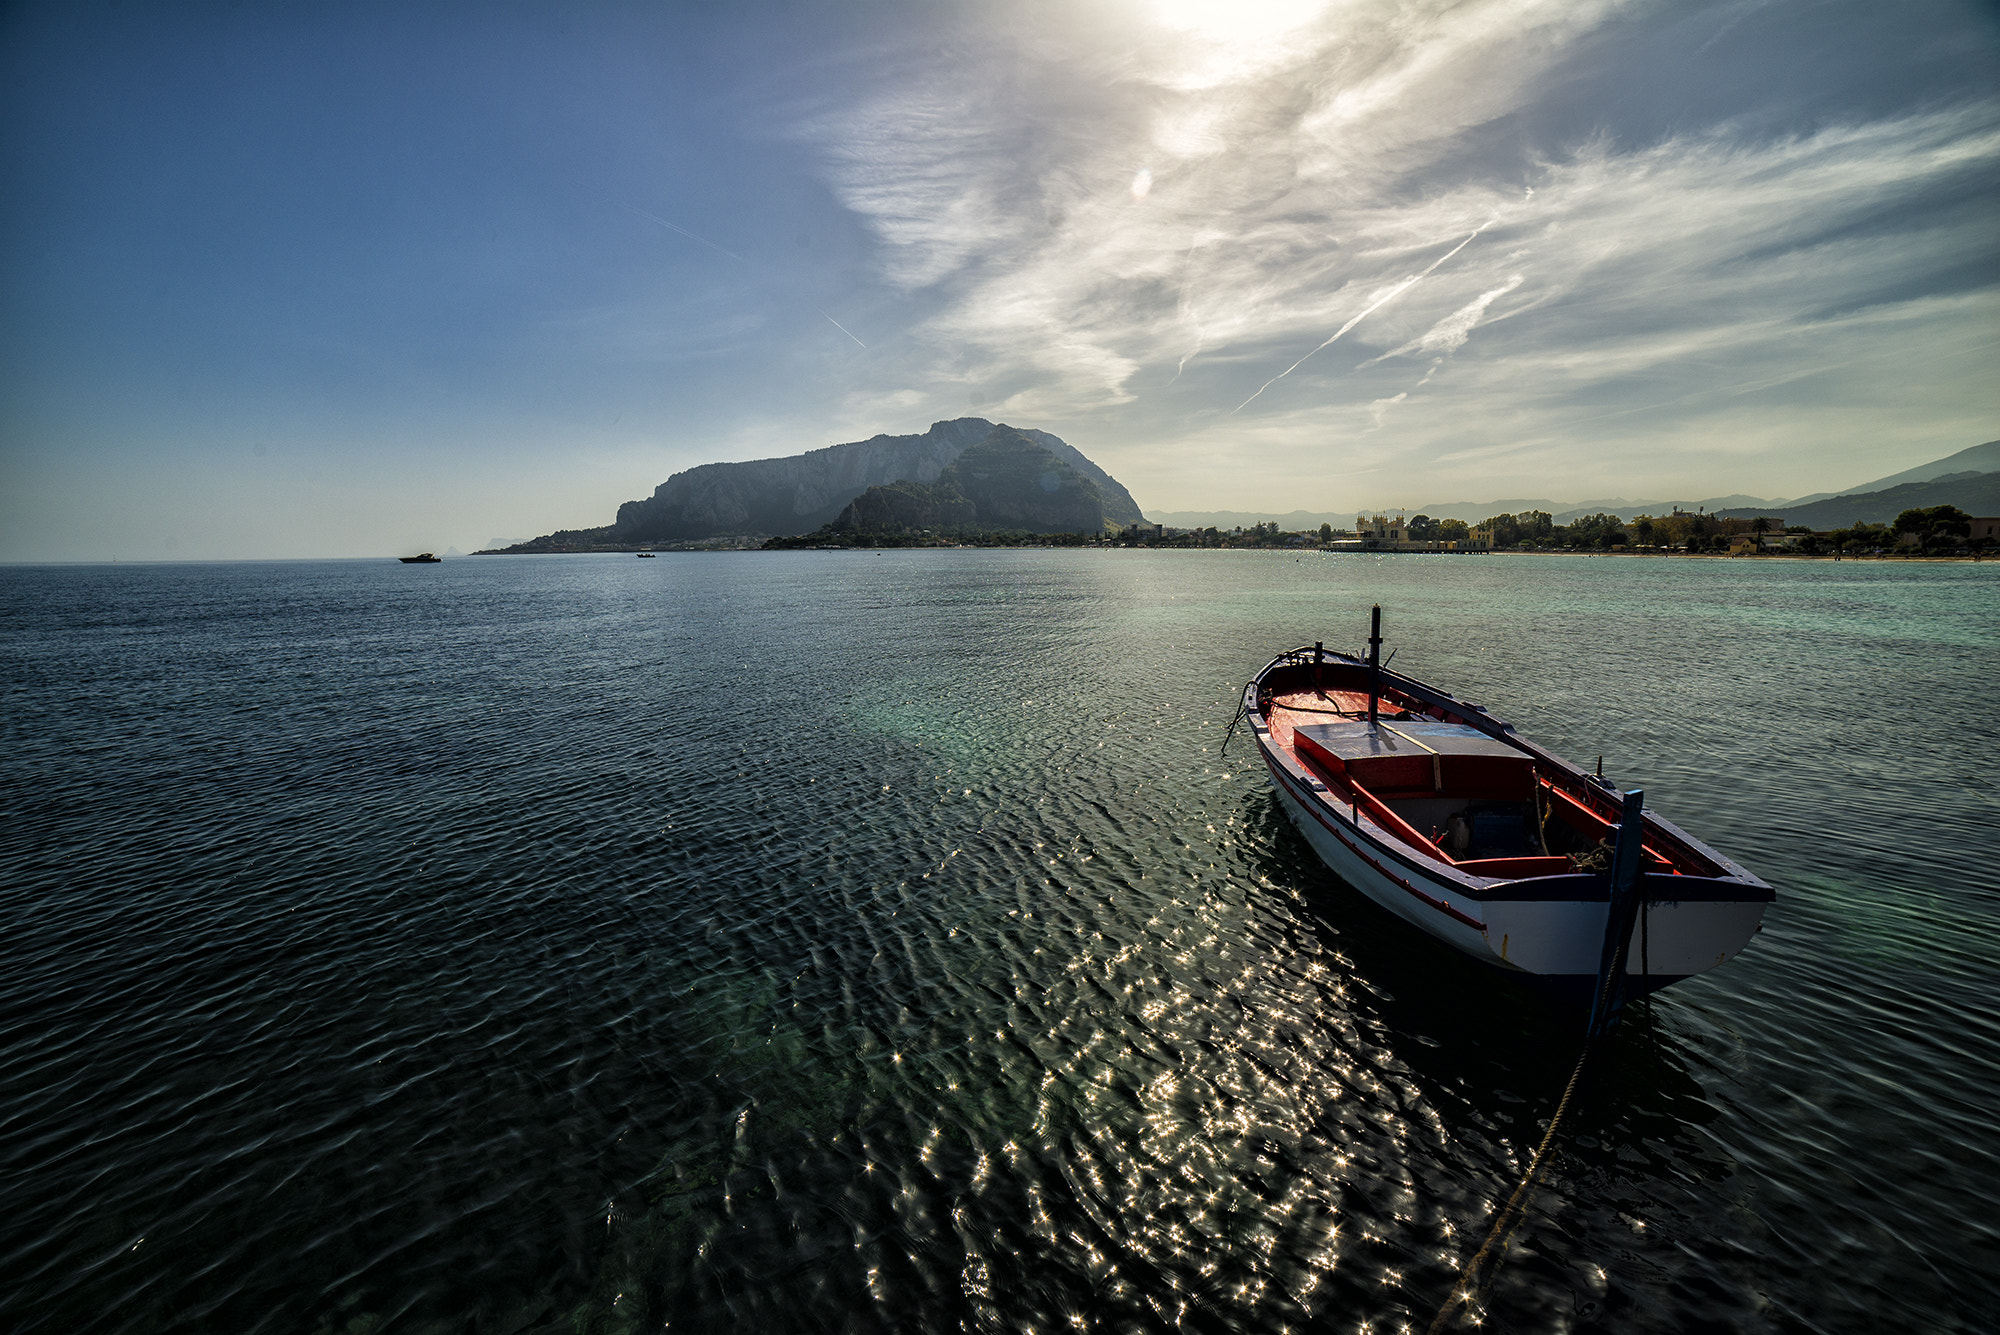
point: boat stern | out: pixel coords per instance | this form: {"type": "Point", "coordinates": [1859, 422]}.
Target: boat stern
{"type": "Point", "coordinates": [1685, 925]}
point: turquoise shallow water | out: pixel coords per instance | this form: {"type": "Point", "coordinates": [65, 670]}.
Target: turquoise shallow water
{"type": "Point", "coordinates": [842, 941]}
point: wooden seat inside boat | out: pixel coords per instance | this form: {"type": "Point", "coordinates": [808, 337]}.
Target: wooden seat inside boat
{"type": "Point", "coordinates": [1420, 756]}
{"type": "Point", "coordinates": [1474, 794]}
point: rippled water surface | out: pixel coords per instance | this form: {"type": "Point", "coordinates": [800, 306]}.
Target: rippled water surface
{"type": "Point", "coordinates": [842, 941]}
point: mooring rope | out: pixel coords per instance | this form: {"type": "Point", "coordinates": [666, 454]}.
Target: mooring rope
{"type": "Point", "coordinates": [1230, 736]}
{"type": "Point", "coordinates": [1471, 1284]}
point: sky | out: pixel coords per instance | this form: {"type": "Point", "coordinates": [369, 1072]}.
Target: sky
{"type": "Point", "coordinates": [296, 279]}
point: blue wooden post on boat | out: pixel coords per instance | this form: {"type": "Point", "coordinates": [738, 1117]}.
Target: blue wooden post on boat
{"type": "Point", "coordinates": [1374, 660]}
{"type": "Point", "coordinates": [1609, 996]}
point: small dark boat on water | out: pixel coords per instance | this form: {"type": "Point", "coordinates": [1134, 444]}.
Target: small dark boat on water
{"type": "Point", "coordinates": [1445, 816]}
{"type": "Point", "coordinates": [424, 559]}
{"type": "Point", "coordinates": [648, 554]}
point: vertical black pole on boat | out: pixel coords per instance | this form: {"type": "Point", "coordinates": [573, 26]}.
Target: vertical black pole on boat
{"type": "Point", "coordinates": [1374, 661]}
{"type": "Point", "coordinates": [1620, 913]}
{"type": "Point", "coordinates": [1319, 681]}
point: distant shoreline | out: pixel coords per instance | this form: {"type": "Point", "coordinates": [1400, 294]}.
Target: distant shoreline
{"type": "Point", "coordinates": [1968, 558]}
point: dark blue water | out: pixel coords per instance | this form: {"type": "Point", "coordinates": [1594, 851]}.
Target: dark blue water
{"type": "Point", "coordinates": [841, 941]}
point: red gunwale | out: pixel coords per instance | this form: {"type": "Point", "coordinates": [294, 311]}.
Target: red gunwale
{"type": "Point", "coordinates": [1290, 696]}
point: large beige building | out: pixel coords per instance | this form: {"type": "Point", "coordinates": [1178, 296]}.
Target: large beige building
{"type": "Point", "coordinates": [1386, 534]}
{"type": "Point", "coordinates": [1380, 528]}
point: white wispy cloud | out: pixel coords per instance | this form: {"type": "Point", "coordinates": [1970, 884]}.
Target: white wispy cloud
{"type": "Point", "coordinates": [1304, 188]}
{"type": "Point", "coordinates": [1449, 334]}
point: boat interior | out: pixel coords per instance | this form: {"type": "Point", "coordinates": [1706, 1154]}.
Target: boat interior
{"type": "Point", "coordinates": [1446, 789]}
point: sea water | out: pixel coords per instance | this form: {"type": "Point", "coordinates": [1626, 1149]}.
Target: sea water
{"type": "Point", "coordinates": [885, 941]}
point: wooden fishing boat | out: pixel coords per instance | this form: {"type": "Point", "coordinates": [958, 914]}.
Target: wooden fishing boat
{"type": "Point", "coordinates": [1447, 817]}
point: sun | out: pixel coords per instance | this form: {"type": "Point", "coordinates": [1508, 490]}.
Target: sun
{"type": "Point", "coordinates": [1236, 20]}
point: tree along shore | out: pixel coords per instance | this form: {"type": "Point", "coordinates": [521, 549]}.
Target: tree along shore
{"type": "Point", "coordinates": [1938, 530]}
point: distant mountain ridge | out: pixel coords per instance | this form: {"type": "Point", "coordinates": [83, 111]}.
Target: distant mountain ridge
{"type": "Point", "coordinates": [801, 492]}
{"type": "Point", "coordinates": [1977, 459]}
{"type": "Point", "coordinates": [1291, 522]}
{"type": "Point", "coordinates": [1565, 511]}
{"type": "Point", "coordinates": [1469, 511]}
{"type": "Point", "coordinates": [1975, 493]}
{"type": "Point", "coordinates": [1952, 480]}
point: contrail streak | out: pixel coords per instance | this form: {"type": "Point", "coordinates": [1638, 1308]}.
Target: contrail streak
{"type": "Point", "coordinates": [841, 327]}
{"type": "Point", "coordinates": [734, 256]}
{"type": "Point", "coordinates": [686, 233]}
{"type": "Point", "coordinates": [1195, 351]}
{"type": "Point", "coordinates": [1387, 297]}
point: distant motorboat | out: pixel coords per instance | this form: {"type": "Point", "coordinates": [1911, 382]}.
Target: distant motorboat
{"type": "Point", "coordinates": [649, 553]}
{"type": "Point", "coordinates": [1445, 816]}
{"type": "Point", "coordinates": [422, 559]}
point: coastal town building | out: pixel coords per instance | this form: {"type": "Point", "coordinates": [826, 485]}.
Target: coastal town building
{"type": "Point", "coordinates": [1385, 534]}
{"type": "Point", "coordinates": [1379, 530]}
{"type": "Point", "coordinates": [1763, 542]}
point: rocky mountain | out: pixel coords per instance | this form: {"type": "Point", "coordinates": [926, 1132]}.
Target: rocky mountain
{"type": "Point", "coordinates": [801, 492]}
{"type": "Point", "coordinates": [1007, 481]}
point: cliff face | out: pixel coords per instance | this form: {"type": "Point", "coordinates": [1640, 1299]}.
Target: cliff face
{"type": "Point", "coordinates": [804, 491]}
{"type": "Point", "coordinates": [1015, 482]}
{"type": "Point", "coordinates": [1006, 481]}
{"type": "Point", "coordinates": [907, 505]}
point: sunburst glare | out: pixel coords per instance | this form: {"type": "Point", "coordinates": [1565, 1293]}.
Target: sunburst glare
{"type": "Point", "coordinates": [1236, 20]}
